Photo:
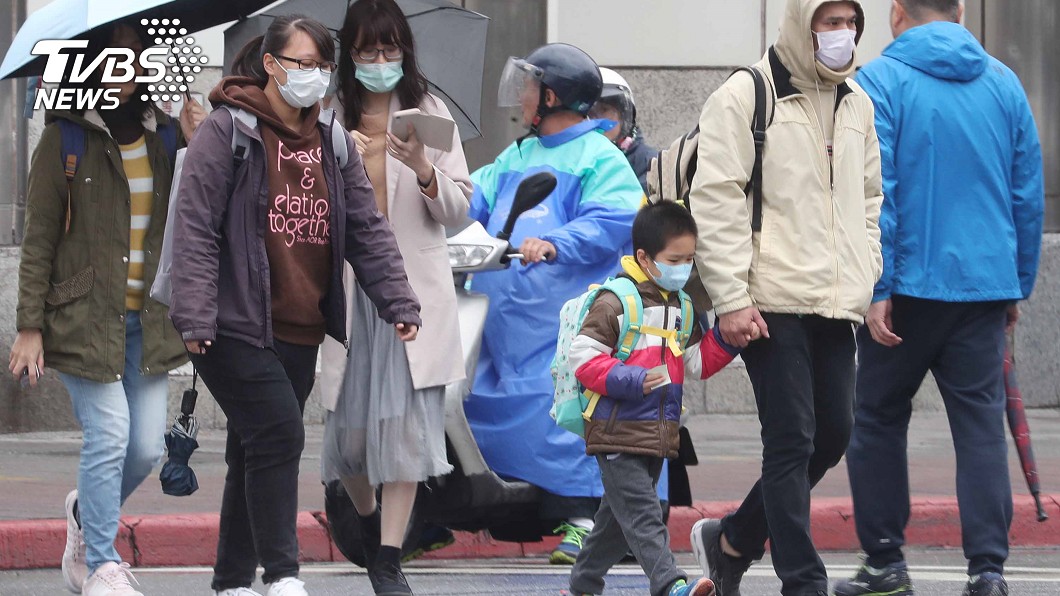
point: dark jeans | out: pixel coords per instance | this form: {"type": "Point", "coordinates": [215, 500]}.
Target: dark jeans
{"type": "Point", "coordinates": [962, 344]}
{"type": "Point", "coordinates": [263, 393]}
{"type": "Point", "coordinates": [803, 380]}
{"type": "Point", "coordinates": [629, 514]}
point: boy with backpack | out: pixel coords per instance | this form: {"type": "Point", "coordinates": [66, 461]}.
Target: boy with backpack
{"type": "Point", "coordinates": [634, 375]}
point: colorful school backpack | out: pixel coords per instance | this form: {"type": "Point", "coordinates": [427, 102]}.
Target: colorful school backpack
{"type": "Point", "coordinates": [573, 404]}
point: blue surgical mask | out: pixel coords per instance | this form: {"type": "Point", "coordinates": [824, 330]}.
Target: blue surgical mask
{"type": "Point", "coordinates": [379, 78]}
{"type": "Point", "coordinates": [673, 277]}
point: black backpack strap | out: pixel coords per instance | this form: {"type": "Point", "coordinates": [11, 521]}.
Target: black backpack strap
{"type": "Point", "coordinates": [759, 123]}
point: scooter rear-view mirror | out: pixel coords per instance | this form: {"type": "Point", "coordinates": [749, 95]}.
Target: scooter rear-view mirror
{"type": "Point", "coordinates": [530, 193]}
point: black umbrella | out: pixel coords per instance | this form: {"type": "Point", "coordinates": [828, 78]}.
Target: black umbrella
{"type": "Point", "coordinates": [178, 479]}
{"type": "Point", "coordinates": [450, 48]}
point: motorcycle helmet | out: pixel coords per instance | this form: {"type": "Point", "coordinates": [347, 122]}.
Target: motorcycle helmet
{"type": "Point", "coordinates": [618, 95]}
{"type": "Point", "coordinates": [568, 71]}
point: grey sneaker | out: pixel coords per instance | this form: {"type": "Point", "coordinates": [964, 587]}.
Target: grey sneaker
{"type": "Point", "coordinates": [725, 571]}
{"type": "Point", "coordinates": [986, 584]}
{"type": "Point", "coordinates": [892, 580]}
{"type": "Point", "coordinates": [75, 570]}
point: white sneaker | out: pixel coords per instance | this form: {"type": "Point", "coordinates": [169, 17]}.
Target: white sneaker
{"type": "Point", "coordinates": [288, 586]}
{"type": "Point", "coordinates": [75, 570]}
{"type": "Point", "coordinates": [111, 579]}
{"type": "Point", "coordinates": [236, 592]}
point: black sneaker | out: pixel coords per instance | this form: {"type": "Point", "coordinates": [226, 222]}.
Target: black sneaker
{"type": "Point", "coordinates": [725, 571]}
{"type": "Point", "coordinates": [892, 580]}
{"type": "Point", "coordinates": [388, 580]}
{"type": "Point", "coordinates": [986, 584]}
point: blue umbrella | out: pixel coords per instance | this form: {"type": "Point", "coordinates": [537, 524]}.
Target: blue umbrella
{"type": "Point", "coordinates": [71, 19]}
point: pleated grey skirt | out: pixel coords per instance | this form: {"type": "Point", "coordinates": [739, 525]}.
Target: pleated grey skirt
{"type": "Point", "coordinates": [383, 427]}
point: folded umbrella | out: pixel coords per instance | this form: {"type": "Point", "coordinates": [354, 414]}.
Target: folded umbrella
{"type": "Point", "coordinates": [72, 19]}
{"type": "Point", "coordinates": [450, 48]}
{"type": "Point", "coordinates": [1021, 432]}
{"type": "Point", "coordinates": [177, 477]}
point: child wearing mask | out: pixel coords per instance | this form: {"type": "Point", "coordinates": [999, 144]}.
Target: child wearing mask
{"type": "Point", "coordinates": [633, 429]}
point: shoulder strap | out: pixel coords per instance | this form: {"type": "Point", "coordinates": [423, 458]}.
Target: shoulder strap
{"type": "Point", "coordinates": [632, 314]}
{"type": "Point", "coordinates": [688, 319]}
{"type": "Point", "coordinates": [759, 123]}
{"type": "Point", "coordinates": [167, 133]}
{"type": "Point", "coordinates": [73, 146]}
{"type": "Point", "coordinates": [72, 137]}
{"type": "Point", "coordinates": [240, 141]}
{"type": "Point", "coordinates": [338, 139]}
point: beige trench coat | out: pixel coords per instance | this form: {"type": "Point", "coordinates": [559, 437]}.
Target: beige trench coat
{"type": "Point", "coordinates": [436, 357]}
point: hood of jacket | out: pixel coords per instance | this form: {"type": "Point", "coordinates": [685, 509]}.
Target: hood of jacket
{"type": "Point", "coordinates": [91, 120]}
{"type": "Point", "coordinates": [941, 49]}
{"type": "Point", "coordinates": [794, 46]}
{"type": "Point", "coordinates": [248, 94]}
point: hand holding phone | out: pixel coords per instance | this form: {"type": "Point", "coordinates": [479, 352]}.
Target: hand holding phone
{"type": "Point", "coordinates": [26, 381]}
{"type": "Point", "coordinates": [433, 131]}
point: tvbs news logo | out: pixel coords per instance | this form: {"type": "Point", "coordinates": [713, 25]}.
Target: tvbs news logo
{"type": "Point", "coordinates": [166, 70]}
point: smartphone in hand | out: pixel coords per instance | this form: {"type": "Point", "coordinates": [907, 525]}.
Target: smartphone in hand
{"type": "Point", "coordinates": [25, 379]}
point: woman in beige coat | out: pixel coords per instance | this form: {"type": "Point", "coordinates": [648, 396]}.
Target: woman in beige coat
{"type": "Point", "coordinates": [386, 399]}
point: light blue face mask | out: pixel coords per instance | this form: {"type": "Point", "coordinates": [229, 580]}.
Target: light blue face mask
{"type": "Point", "coordinates": [673, 277]}
{"type": "Point", "coordinates": [379, 78]}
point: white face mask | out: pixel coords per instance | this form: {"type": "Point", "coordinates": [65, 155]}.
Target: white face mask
{"type": "Point", "coordinates": [304, 87]}
{"type": "Point", "coordinates": [836, 48]}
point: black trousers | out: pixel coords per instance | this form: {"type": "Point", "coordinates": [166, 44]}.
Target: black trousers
{"type": "Point", "coordinates": [803, 380]}
{"type": "Point", "coordinates": [962, 344]}
{"type": "Point", "coordinates": [263, 393]}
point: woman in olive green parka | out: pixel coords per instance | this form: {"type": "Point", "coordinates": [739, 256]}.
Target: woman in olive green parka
{"type": "Point", "coordinates": [90, 252]}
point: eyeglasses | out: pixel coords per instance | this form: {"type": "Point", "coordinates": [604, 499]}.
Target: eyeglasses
{"type": "Point", "coordinates": [308, 64]}
{"type": "Point", "coordinates": [391, 53]}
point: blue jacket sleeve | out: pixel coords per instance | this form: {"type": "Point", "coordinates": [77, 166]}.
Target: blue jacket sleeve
{"type": "Point", "coordinates": [604, 216]}
{"type": "Point", "coordinates": [1028, 194]}
{"type": "Point", "coordinates": [484, 193]}
{"type": "Point", "coordinates": [887, 124]}
{"type": "Point", "coordinates": [626, 382]}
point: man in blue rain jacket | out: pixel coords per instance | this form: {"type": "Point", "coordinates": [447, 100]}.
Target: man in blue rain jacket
{"type": "Point", "coordinates": [571, 240]}
{"type": "Point", "coordinates": [961, 232]}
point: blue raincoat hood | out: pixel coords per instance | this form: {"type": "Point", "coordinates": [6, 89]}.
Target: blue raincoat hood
{"type": "Point", "coordinates": [942, 50]}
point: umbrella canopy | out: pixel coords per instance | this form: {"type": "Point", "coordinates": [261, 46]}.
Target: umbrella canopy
{"type": "Point", "coordinates": [70, 19]}
{"type": "Point", "coordinates": [450, 48]}
{"type": "Point", "coordinates": [177, 477]}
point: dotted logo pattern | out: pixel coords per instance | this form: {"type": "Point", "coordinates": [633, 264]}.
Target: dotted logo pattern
{"type": "Point", "coordinates": [186, 59]}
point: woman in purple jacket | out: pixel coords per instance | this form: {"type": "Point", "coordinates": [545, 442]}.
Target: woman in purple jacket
{"type": "Point", "coordinates": [257, 282]}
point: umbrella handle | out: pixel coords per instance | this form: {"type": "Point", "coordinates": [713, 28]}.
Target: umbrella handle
{"type": "Point", "coordinates": [1042, 515]}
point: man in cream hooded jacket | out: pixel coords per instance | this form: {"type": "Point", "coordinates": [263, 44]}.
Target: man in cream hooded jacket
{"type": "Point", "coordinates": [805, 279]}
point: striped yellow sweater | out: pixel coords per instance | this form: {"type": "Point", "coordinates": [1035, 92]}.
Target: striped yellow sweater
{"type": "Point", "coordinates": [141, 190]}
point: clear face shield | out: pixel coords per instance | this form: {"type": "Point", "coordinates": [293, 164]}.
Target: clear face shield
{"type": "Point", "coordinates": [615, 103]}
{"type": "Point", "coordinates": [518, 79]}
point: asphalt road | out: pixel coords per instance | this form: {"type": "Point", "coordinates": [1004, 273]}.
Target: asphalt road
{"type": "Point", "coordinates": [934, 573]}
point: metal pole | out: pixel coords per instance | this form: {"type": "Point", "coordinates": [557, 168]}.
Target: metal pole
{"type": "Point", "coordinates": [14, 164]}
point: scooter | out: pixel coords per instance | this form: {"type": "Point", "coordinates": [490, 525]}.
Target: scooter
{"type": "Point", "coordinates": [472, 497]}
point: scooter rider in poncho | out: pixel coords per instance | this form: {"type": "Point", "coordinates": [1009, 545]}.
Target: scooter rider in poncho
{"type": "Point", "coordinates": [573, 239]}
